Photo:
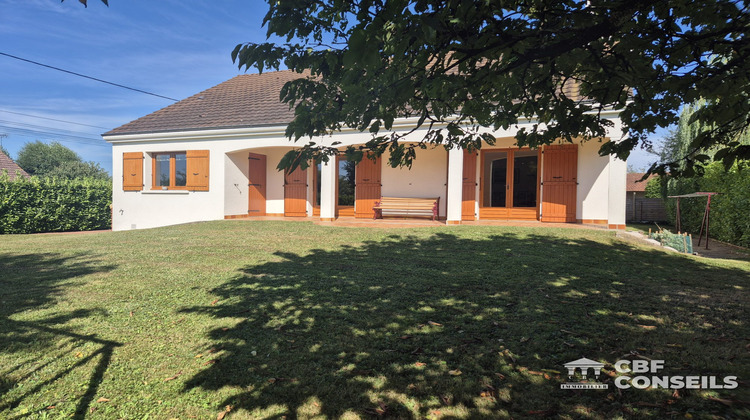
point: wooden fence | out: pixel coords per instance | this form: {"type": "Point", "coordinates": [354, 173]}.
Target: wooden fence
{"type": "Point", "coordinates": [646, 210]}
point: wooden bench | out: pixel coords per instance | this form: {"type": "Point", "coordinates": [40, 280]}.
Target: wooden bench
{"type": "Point", "coordinates": [407, 206]}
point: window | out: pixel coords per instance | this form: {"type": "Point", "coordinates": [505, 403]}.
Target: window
{"type": "Point", "coordinates": [170, 171]}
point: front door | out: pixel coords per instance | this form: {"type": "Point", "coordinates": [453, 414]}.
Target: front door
{"type": "Point", "coordinates": [295, 193]}
{"type": "Point", "coordinates": [367, 187]}
{"type": "Point", "coordinates": [256, 185]}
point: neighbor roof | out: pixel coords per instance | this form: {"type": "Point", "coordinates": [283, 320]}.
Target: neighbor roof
{"type": "Point", "coordinates": [244, 101]}
{"type": "Point", "coordinates": [634, 186]}
{"type": "Point", "coordinates": [6, 163]}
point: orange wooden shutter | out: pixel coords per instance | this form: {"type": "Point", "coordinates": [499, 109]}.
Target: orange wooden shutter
{"type": "Point", "coordinates": [295, 193]}
{"type": "Point", "coordinates": [367, 187]}
{"type": "Point", "coordinates": [469, 189]}
{"type": "Point", "coordinates": [560, 183]}
{"type": "Point", "coordinates": [256, 186]}
{"type": "Point", "coordinates": [132, 171]}
{"type": "Point", "coordinates": [197, 170]}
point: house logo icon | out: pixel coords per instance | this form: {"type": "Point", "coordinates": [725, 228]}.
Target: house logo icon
{"type": "Point", "coordinates": [584, 365]}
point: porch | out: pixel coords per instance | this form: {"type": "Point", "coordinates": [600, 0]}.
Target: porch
{"type": "Point", "coordinates": [557, 184]}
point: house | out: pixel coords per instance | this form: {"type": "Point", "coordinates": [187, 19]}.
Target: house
{"type": "Point", "coordinates": [10, 167]}
{"type": "Point", "coordinates": [640, 208]}
{"type": "Point", "coordinates": [214, 155]}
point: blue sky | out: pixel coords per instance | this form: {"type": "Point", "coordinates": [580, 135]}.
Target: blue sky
{"type": "Point", "coordinates": [173, 48]}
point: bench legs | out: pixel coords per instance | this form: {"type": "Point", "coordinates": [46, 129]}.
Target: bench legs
{"type": "Point", "coordinates": [377, 212]}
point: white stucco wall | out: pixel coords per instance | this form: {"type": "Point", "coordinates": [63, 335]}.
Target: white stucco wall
{"type": "Point", "coordinates": [593, 189]}
{"type": "Point", "coordinates": [228, 165]}
{"type": "Point", "coordinates": [152, 208]}
{"type": "Point", "coordinates": [427, 177]}
{"type": "Point", "coordinates": [235, 183]}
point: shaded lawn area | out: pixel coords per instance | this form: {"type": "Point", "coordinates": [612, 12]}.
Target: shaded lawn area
{"type": "Point", "coordinates": [273, 319]}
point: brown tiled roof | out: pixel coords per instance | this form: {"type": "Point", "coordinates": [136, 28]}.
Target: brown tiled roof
{"type": "Point", "coordinates": [634, 186]}
{"type": "Point", "coordinates": [248, 100]}
{"type": "Point", "coordinates": [7, 164]}
{"type": "Point", "coordinates": [243, 101]}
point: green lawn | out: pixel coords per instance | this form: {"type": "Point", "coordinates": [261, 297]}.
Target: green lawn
{"type": "Point", "coordinates": [273, 319]}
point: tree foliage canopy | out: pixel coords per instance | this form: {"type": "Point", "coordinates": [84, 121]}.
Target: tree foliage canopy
{"type": "Point", "coordinates": [37, 158]}
{"type": "Point", "coordinates": [460, 65]}
{"type": "Point", "coordinates": [78, 170]}
{"type": "Point", "coordinates": [680, 145]}
{"type": "Point", "coordinates": [54, 160]}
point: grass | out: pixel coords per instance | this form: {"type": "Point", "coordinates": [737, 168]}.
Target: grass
{"type": "Point", "coordinates": [644, 227]}
{"type": "Point", "coordinates": [289, 319]}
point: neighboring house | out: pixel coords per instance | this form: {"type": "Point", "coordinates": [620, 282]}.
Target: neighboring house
{"type": "Point", "coordinates": [214, 155]}
{"type": "Point", "coordinates": [8, 165]}
{"type": "Point", "coordinates": [640, 208]}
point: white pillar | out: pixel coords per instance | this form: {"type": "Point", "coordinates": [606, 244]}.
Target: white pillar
{"type": "Point", "coordinates": [455, 186]}
{"type": "Point", "coordinates": [618, 170]}
{"type": "Point", "coordinates": [618, 205]}
{"type": "Point", "coordinates": [328, 190]}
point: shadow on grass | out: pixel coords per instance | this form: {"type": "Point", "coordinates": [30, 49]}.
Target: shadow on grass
{"type": "Point", "coordinates": [32, 282]}
{"type": "Point", "coordinates": [448, 326]}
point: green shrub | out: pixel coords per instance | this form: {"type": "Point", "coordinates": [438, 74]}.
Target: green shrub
{"type": "Point", "coordinates": [54, 205]}
{"type": "Point", "coordinates": [729, 219]}
{"type": "Point", "coordinates": [654, 188]}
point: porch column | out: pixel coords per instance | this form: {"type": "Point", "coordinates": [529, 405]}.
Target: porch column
{"type": "Point", "coordinates": [618, 205]}
{"type": "Point", "coordinates": [328, 190]}
{"type": "Point", "coordinates": [618, 173]}
{"type": "Point", "coordinates": [455, 186]}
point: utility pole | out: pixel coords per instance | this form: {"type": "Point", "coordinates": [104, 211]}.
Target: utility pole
{"type": "Point", "coordinates": [2, 136]}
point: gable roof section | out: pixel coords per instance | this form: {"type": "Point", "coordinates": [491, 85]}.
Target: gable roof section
{"type": "Point", "coordinates": [246, 100]}
{"type": "Point", "coordinates": [7, 164]}
{"type": "Point", "coordinates": [634, 186]}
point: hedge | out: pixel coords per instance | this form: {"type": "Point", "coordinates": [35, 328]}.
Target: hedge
{"type": "Point", "coordinates": [730, 211]}
{"type": "Point", "coordinates": [54, 205]}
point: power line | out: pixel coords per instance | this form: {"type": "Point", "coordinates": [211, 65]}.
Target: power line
{"type": "Point", "coordinates": [52, 119]}
{"type": "Point", "coordinates": [55, 136]}
{"type": "Point", "coordinates": [45, 127]}
{"type": "Point", "coordinates": [90, 140]}
{"type": "Point", "coordinates": [86, 77]}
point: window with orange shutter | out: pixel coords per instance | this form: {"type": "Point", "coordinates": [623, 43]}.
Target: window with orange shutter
{"type": "Point", "coordinates": [180, 170]}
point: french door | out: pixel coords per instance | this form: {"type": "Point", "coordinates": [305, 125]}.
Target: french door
{"type": "Point", "coordinates": [509, 184]}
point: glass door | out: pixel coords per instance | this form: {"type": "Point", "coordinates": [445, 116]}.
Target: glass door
{"type": "Point", "coordinates": [509, 184]}
{"type": "Point", "coordinates": [524, 187]}
{"type": "Point", "coordinates": [496, 176]}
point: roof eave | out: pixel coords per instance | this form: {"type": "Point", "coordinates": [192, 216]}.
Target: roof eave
{"type": "Point", "coordinates": [254, 131]}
